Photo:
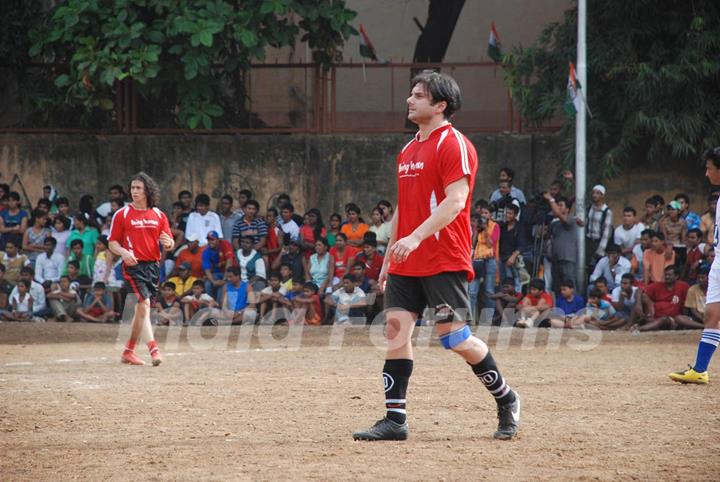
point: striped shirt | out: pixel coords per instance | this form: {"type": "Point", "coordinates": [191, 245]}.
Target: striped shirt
{"type": "Point", "coordinates": [257, 229]}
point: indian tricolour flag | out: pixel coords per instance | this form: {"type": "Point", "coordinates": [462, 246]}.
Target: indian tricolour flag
{"type": "Point", "coordinates": [367, 49]}
{"type": "Point", "coordinates": [573, 102]}
{"type": "Point", "coordinates": [494, 44]}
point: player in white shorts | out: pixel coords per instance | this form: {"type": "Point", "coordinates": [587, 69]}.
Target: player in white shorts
{"type": "Point", "coordinates": [697, 373]}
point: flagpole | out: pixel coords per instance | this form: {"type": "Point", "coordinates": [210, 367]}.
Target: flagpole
{"type": "Point", "coordinates": [580, 159]}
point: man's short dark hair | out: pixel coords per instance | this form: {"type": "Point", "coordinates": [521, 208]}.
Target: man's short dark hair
{"type": "Point", "coordinates": [274, 274]}
{"type": "Point", "coordinates": [508, 281]}
{"type": "Point", "coordinates": [627, 276]}
{"type": "Point", "coordinates": [712, 154]}
{"type": "Point", "coordinates": [117, 187]}
{"type": "Point", "coordinates": [202, 199]}
{"type": "Point", "coordinates": [482, 204]}
{"type": "Point", "coordinates": [50, 240]}
{"type": "Point", "coordinates": [27, 270]}
{"type": "Point", "coordinates": [564, 200]}
{"type": "Point", "coordinates": [648, 232]}
{"type": "Point", "coordinates": [14, 195]}
{"type": "Point", "coordinates": [595, 293]}
{"type": "Point", "coordinates": [227, 197]}
{"type": "Point", "coordinates": [659, 235]}
{"type": "Point", "coordinates": [74, 263]}
{"type": "Point", "coordinates": [630, 209]}
{"type": "Point", "coordinates": [287, 206]}
{"type": "Point", "coordinates": [567, 283]}
{"type": "Point", "coordinates": [538, 284]}
{"type": "Point", "coordinates": [62, 200]}
{"type": "Point", "coordinates": [253, 202]}
{"type": "Point", "coordinates": [602, 280]}
{"type": "Point", "coordinates": [184, 192]}
{"type": "Point", "coordinates": [169, 284]}
{"type": "Point", "coordinates": [350, 277]}
{"type": "Point", "coordinates": [684, 197]}
{"type": "Point", "coordinates": [246, 192]}
{"type": "Point", "coordinates": [441, 88]}
{"type": "Point", "coordinates": [274, 211]}
{"type": "Point", "coordinates": [612, 248]}
{"type": "Point", "coordinates": [513, 208]}
{"type": "Point", "coordinates": [506, 181]}
{"type": "Point", "coordinates": [234, 270]}
{"type": "Point", "coordinates": [311, 286]}
{"type": "Point", "coordinates": [45, 202]}
{"type": "Point", "coordinates": [199, 282]}
{"type": "Point", "coordinates": [697, 232]}
{"type": "Point", "coordinates": [358, 263]}
{"type": "Point", "coordinates": [509, 172]}
{"type": "Point", "coordinates": [671, 267]}
{"type": "Point", "coordinates": [77, 242]}
{"type": "Point", "coordinates": [99, 285]}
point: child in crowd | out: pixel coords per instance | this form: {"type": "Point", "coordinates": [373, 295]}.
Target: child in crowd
{"type": "Point", "coordinates": [568, 304]}
{"type": "Point", "coordinates": [534, 305]}
{"type": "Point", "coordinates": [98, 306]}
{"type": "Point", "coordinates": [307, 307]}
{"type": "Point", "coordinates": [197, 301]}
{"type": "Point", "coordinates": [21, 303]}
{"type": "Point", "coordinates": [166, 309]}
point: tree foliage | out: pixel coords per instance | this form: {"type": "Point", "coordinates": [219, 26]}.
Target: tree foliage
{"type": "Point", "coordinates": [183, 55]}
{"type": "Point", "coordinates": [653, 80]}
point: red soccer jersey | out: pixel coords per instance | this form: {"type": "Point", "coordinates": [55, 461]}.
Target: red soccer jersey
{"type": "Point", "coordinates": [138, 231]}
{"type": "Point", "coordinates": [668, 303]}
{"type": "Point", "coordinates": [424, 170]}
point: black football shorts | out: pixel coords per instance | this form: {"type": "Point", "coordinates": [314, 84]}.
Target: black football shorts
{"type": "Point", "coordinates": [446, 294]}
{"type": "Point", "coordinates": [143, 279]}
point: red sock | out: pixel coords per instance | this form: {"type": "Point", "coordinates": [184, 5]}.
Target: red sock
{"type": "Point", "coordinates": [130, 347]}
{"type": "Point", "coordinates": [152, 346]}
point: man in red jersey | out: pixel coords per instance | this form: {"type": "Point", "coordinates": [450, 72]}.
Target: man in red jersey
{"type": "Point", "coordinates": [428, 263]}
{"type": "Point", "coordinates": [136, 232]}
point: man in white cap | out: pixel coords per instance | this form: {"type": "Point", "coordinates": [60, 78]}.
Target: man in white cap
{"type": "Point", "coordinates": [599, 225]}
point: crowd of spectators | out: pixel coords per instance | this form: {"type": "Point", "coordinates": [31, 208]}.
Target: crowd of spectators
{"type": "Point", "coordinates": [238, 263]}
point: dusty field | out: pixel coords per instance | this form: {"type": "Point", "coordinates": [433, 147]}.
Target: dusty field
{"type": "Point", "coordinates": [255, 411]}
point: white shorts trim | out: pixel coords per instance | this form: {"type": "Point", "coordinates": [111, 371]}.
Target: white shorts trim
{"type": "Point", "coordinates": [713, 292]}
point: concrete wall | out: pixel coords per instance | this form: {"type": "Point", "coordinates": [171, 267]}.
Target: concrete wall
{"type": "Point", "coordinates": [322, 171]}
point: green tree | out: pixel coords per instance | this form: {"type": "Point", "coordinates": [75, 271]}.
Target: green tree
{"type": "Point", "coordinates": [187, 58]}
{"type": "Point", "coordinates": [653, 80]}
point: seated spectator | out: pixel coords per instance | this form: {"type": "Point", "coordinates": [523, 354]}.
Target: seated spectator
{"type": "Point", "coordinates": [534, 305]}
{"type": "Point", "coordinates": [656, 259]}
{"type": "Point", "coordinates": [361, 280]}
{"type": "Point", "coordinates": [611, 266]}
{"type": "Point", "coordinates": [252, 266]}
{"type": "Point", "coordinates": [601, 284]}
{"type": "Point", "coordinates": [675, 230]}
{"type": "Point", "coordinates": [192, 255]}
{"type": "Point", "coordinates": [5, 289]}
{"type": "Point", "coordinates": [692, 220]}
{"type": "Point", "coordinates": [98, 306]}
{"type": "Point", "coordinates": [320, 268]}
{"type": "Point", "coordinates": [34, 237]}
{"type": "Point", "coordinates": [202, 221]}
{"type": "Point", "coordinates": [296, 290]}
{"type": "Point", "coordinates": [13, 221]}
{"type": "Point", "coordinates": [286, 222]}
{"type": "Point", "coordinates": [21, 303]}
{"type": "Point", "coordinates": [349, 301]}
{"type": "Point", "coordinates": [311, 231]}
{"type": "Point", "coordinates": [653, 212]}
{"type": "Point", "coordinates": [79, 282]}
{"type": "Point", "coordinates": [37, 293]}
{"type": "Point", "coordinates": [695, 256]}
{"type": "Point", "coordinates": [64, 300]}
{"type": "Point", "coordinates": [308, 309]}
{"type": "Point", "coordinates": [50, 264]}
{"type": "Point", "coordinates": [506, 299]}
{"type": "Point", "coordinates": [166, 310]}
{"type": "Point", "coordinates": [343, 256]}
{"type": "Point", "coordinates": [184, 280]}
{"type": "Point", "coordinates": [286, 277]}
{"type": "Point", "coordinates": [372, 260]}
{"type": "Point", "coordinates": [61, 233]}
{"type": "Point", "coordinates": [694, 317]}
{"type": "Point", "coordinates": [354, 228]}
{"type": "Point", "coordinates": [86, 262]}
{"type": "Point", "coordinates": [196, 301]}
{"type": "Point", "coordinates": [228, 216]}
{"type": "Point", "coordinates": [598, 312]}
{"type": "Point", "coordinates": [239, 300]}
{"type": "Point", "coordinates": [636, 260]}
{"type": "Point", "coordinates": [569, 303]}
{"type": "Point", "coordinates": [250, 226]}
{"type": "Point", "coordinates": [291, 255]}
{"type": "Point", "coordinates": [334, 224]}
{"type": "Point", "coordinates": [508, 174]}
{"type": "Point", "coordinates": [628, 234]}
{"type": "Point", "coordinates": [626, 299]}
{"type": "Point", "coordinates": [86, 233]}
{"type": "Point", "coordinates": [216, 258]}
{"type": "Point", "coordinates": [13, 261]}
{"type": "Point", "coordinates": [663, 302]}
{"type": "Point", "coordinates": [707, 220]}
{"type": "Point", "coordinates": [274, 306]}
{"type": "Point", "coordinates": [381, 230]}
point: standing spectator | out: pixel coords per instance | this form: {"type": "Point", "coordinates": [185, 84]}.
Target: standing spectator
{"type": "Point", "coordinates": [691, 219]}
{"type": "Point", "coordinates": [13, 262]}
{"type": "Point", "coordinates": [628, 234]}
{"type": "Point", "coordinates": [503, 201]}
{"type": "Point", "coordinates": [334, 223]}
{"type": "Point", "coordinates": [675, 230]}
{"type": "Point", "coordinates": [63, 300]}
{"type": "Point", "coordinates": [611, 266]}
{"type": "Point", "coordinates": [184, 281]}
{"type": "Point", "coordinates": [61, 233]}
{"type": "Point", "coordinates": [563, 229]}
{"type": "Point", "coordinates": [636, 261]}
{"type": "Point", "coordinates": [13, 221]}
{"type": "Point", "coordinates": [287, 223]}
{"type": "Point", "coordinates": [34, 237]}
{"type": "Point", "coordinates": [243, 197]}
{"type": "Point", "coordinates": [49, 264]}
{"type": "Point", "coordinates": [216, 258]}
{"type": "Point", "coordinates": [284, 199]}
{"type": "Point", "coordinates": [21, 303]}
{"type": "Point", "coordinates": [695, 256]}
{"type": "Point", "coordinates": [653, 212]}
{"type": "Point", "coordinates": [177, 226]}
{"type": "Point", "coordinates": [86, 262]}
{"type": "Point", "coordinates": [98, 305]}
{"type": "Point", "coordinates": [344, 257]}
{"type": "Point", "coordinates": [320, 267]}
{"type": "Point", "coordinates": [202, 221]}
{"type": "Point", "coordinates": [707, 221]}
{"type": "Point", "coordinates": [117, 194]}
{"type": "Point", "coordinates": [250, 226]}
{"type": "Point", "coordinates": [272, 244]}
{"type": "Point", "coordinates": [485, 253]}
{"type": "Point", "coordinates": [84, 232]}
{"type": "Point", "coordinates": [185, 200]}
{"type": "Point", "coordinates": [348, 301]}
{"type": "Point", "coordinates": [372, 260]}
{"type": "Point", "coordinates": [103, 263]}
{"type": "Point", "coordinates": [192, 255]}
{"type": "Point", "coordinates": [695, 303]}
{"type": "Point", "coordinates": [250, 261]}
{"type": "Point", "coordinates": [354, 229]}
{"type": "Point", "coordinates": [380, 228]}
{"type": "Point", "coordinates": [311, 231]}
{"type": "Point", "coordinates": [663, 302]}
{"type": "Point", "coordinates": [512, 244]}
{"type": "Point", "coordinates": [599, 225]}
{"type": "Point", "coordinates": [228, 216]}
{"type": "Point", "coordinates": [507, 175]}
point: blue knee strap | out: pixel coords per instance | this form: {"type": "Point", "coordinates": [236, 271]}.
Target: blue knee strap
{"type": "Point", "coordinates": [454, 338]}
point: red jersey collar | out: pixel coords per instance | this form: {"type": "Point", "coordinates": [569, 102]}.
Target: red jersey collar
{"type": "Point", "coordinates": [433, 132]}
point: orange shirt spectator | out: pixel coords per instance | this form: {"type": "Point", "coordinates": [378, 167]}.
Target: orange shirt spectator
{"type": "Point", "coordinates": [655, 259]}
{"type": "Point", "coordinates": [193, 255]}
{"type": "Point", "coordinates": [354, 229]}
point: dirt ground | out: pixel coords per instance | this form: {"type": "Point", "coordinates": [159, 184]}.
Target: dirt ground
{"type": "Point", "coordinates": [258, 411]}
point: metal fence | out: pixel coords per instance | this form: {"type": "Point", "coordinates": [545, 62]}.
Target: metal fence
{"type": "Point", "coordinates": [299, 98]}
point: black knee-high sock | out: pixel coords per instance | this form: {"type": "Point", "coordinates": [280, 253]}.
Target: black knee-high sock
{"type": "Point", "coordinates": [488, 373]}
{"type": "Point", "coordinates": [396, 375]}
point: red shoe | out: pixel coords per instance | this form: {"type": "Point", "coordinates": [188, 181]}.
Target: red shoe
{"type": "Point", "coordinates": [131, 359]}
{"type": "Point", "coordinates": [156, 358]}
